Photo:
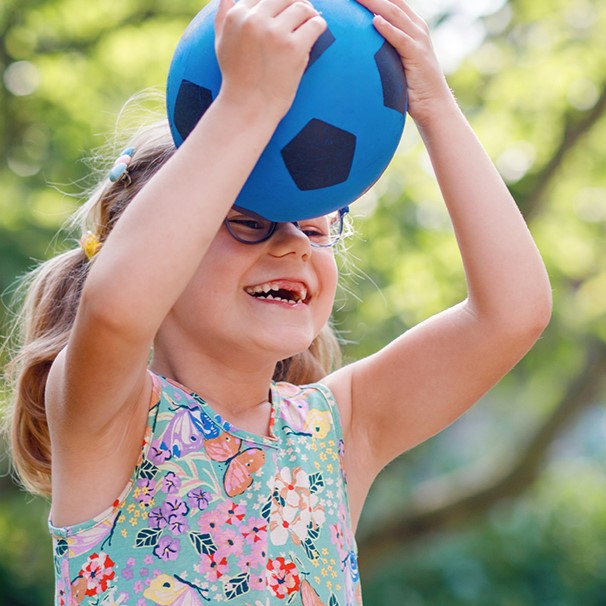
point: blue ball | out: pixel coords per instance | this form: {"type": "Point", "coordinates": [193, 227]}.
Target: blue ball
{"type": "Point", "coordinates": [341, 130]}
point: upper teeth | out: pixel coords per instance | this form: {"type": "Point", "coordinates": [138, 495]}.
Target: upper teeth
{"type": "Point", "coordinates": [300, 291]}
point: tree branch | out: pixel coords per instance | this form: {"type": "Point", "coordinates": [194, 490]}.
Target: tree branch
{"type": "Point", "coordinates": [529, 191]}
{"type": "Point", "coordinates": [452, 501]}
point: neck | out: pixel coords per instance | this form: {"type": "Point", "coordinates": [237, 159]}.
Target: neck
{"type": "Point", "coordinates": [232, 389]}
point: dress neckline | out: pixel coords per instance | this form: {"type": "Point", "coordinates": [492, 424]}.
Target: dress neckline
{"type": "Point", "coordinates": [223, 424]}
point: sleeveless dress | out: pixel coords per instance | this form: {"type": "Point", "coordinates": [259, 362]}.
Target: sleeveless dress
{"type": "Point", "coordinates": [216, 514]}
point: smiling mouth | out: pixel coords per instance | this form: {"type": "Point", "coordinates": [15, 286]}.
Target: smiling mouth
{"type": "Point", "coordinates": [275, 291]}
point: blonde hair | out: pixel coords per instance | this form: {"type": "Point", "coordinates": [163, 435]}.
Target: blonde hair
{"type": "Point", "coordinates": [51, 297]}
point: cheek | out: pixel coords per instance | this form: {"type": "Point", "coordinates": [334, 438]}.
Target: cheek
{"type": "Point", "coordinates": [329, 278]}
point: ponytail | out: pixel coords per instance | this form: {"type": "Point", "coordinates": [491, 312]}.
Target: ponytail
{"type": "Point", "coordinates": [46, 318]}
{"type": "Point", "coordinates": [49, 307]}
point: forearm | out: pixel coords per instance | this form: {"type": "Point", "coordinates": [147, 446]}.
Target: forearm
{"type": "Point", "coordinates": [162, 236]}
{"type": "Point", "coordinates": [505, 274]}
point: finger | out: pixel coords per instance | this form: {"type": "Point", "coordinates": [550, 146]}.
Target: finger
{"type": "Point", "coordinates": [309, 32]}
{"type": "Point", "coordinates": [396, 12]}
{"type": "Point", "coordinates": [276, 7]}
{"type": "Point", "coordinates": [248, 3]}
{"type": "Point", "coordinates": [376, 6]}
{"type": "Point", "coordinates": [398, 38]}
{"type": "Point", "coordinates": [222, 10]}
{"type": "Point", "coordinates": [295, 15]}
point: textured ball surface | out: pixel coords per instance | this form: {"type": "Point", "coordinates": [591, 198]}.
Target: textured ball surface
{"type": "Point", "coordinates": [341, 131]}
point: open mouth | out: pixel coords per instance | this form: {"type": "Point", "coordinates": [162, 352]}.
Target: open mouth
{"type": "Point", "coordinates": [291, 293]}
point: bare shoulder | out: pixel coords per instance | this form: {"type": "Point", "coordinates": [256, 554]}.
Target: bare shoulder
{"type": "Point", "coordinates": [91, 461]}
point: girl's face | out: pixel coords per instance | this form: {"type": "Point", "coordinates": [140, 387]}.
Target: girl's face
{"type": "Point", "coordinates": [268, 299]}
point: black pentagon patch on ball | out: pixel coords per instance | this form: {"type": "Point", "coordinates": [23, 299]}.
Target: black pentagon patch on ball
{"type": "Point", "coordinates": [191, 103]}
{"type": "Point", "coordinates": [321, 155]}
{"type": "Point", "coordinates": [393, 80]}
{"type": "Point", "coordinates": [317, 50]}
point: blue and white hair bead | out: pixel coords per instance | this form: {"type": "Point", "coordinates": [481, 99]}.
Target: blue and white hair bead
{"type": "Point", "coordinates": [119, 171]}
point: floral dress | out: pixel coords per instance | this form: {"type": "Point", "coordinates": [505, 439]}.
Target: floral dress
{"type": "Point", "coordinates": [216, 514]}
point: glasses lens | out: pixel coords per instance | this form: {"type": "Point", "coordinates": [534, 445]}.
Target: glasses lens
{"type": "Point", "coordinates": [248, 229]}
{"type": "Point", "coordinates": [323, 231]}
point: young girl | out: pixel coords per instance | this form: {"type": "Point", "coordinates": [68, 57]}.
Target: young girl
{"type": "Point", "coordinates": [187, 475]}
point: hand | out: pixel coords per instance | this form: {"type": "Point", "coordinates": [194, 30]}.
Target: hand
{"type": "Point", "coordinates": [409, 35]}
{"type": "Point", "coordinates": [263, 49]}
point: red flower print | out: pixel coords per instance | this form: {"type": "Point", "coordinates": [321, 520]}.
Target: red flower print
{"type": "Point", "coordinates": [283, 578]}
{"type": "Point", "coordinates": [98, 570]}
{"type": "Point", "coordinates": [213, 565]}
{"type": "Point", "coordinates": [233, 512]}
{"type": "Point", "coordinates": [255, 531]}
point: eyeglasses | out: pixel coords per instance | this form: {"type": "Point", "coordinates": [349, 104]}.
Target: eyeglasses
{"type": "Point", "coordinates": [322, 231]}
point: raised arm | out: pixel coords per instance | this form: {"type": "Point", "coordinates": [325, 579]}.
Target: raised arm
{"type": "Point", "coordinates": [430, 375]}
{"type": "Point", "coordinates": [97, 390]}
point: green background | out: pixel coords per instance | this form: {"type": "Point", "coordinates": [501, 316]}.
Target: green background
{"type": "Point", "coordinates": [508, 506]}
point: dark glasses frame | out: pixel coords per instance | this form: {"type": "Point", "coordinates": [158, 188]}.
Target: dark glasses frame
{"type": "Point", "coordinates": [273, 225]}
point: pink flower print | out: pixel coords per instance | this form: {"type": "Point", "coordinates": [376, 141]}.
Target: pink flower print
{"type": "Point", "coordinates": [342, 514]}
{"type": "Point", "coordinates": [213, 565]}
{"type": "Point", "coordinates": [288, 389]}
{"type": "Point", "coordinates": [171, 483]}
{"type": "Point", "coordinates": [97, 571]}
{"type": "Point", "coordinates": [255, 531]}
{"type": "Point", "coordinates": [145, 490]}
{"type": "Point", "coordinates": [85, 542]}
{"type": "Point", "coordinates": [294, 413]}
{"type": "Point", "coordinates": [148, 559]}
{"type": "Point", "coordinates": [234, 512]}
{"type": "Point", "coordinates": [257, 581]}
{"type": "Point", "coordinates": [167, 549]}
{"type": "Point", "coordinates": [127, 573]}
{"type": "Point", "coordinates": [198, 498]}
{"type": "Point", "coordinates": [283, 578]}
{"type": "Point", "coordinates": [210, 521]}
{"type": "Point", "coordinates": [138, 587]}
{"type": "Point", "coordinates": [255, 561]}
{"type": "Point", "coordinates": [337, 538]}
{"type": "Point", "coordinates": [229, 541]}
{"type": "Point", "coordinates": [258, 554]}
{"type": "Point", "coordinates": [60, 593]}
{"type": "Point", "coordinates": [131, 562]}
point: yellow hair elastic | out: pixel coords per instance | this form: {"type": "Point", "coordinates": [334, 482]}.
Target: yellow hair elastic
{"type": "Point", "coordinates": [90, 244]}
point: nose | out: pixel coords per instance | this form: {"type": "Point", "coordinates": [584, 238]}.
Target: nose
{"type": "Point", "coordinates": [287, 239]}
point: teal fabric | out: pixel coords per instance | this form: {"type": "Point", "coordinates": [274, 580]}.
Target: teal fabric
{"type": "Point", "coordinates": [216, 514]}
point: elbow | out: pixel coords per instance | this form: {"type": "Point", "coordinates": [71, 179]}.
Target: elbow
{"type": "Point", "coordinates": [517, 321]}
{"type": "Point", "coordinates": [526, 322]}
{"type": "Point", "coordinates": [537, 311]}
{"type": "Point", "coordinates": [103, 310]}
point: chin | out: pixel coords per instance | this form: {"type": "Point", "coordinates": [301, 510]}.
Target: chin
{"type": "Point", "coordinates": [287, 346]}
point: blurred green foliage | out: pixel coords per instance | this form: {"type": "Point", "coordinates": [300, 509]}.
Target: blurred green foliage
{"type": "Point", "coordinates": [534, 87]}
